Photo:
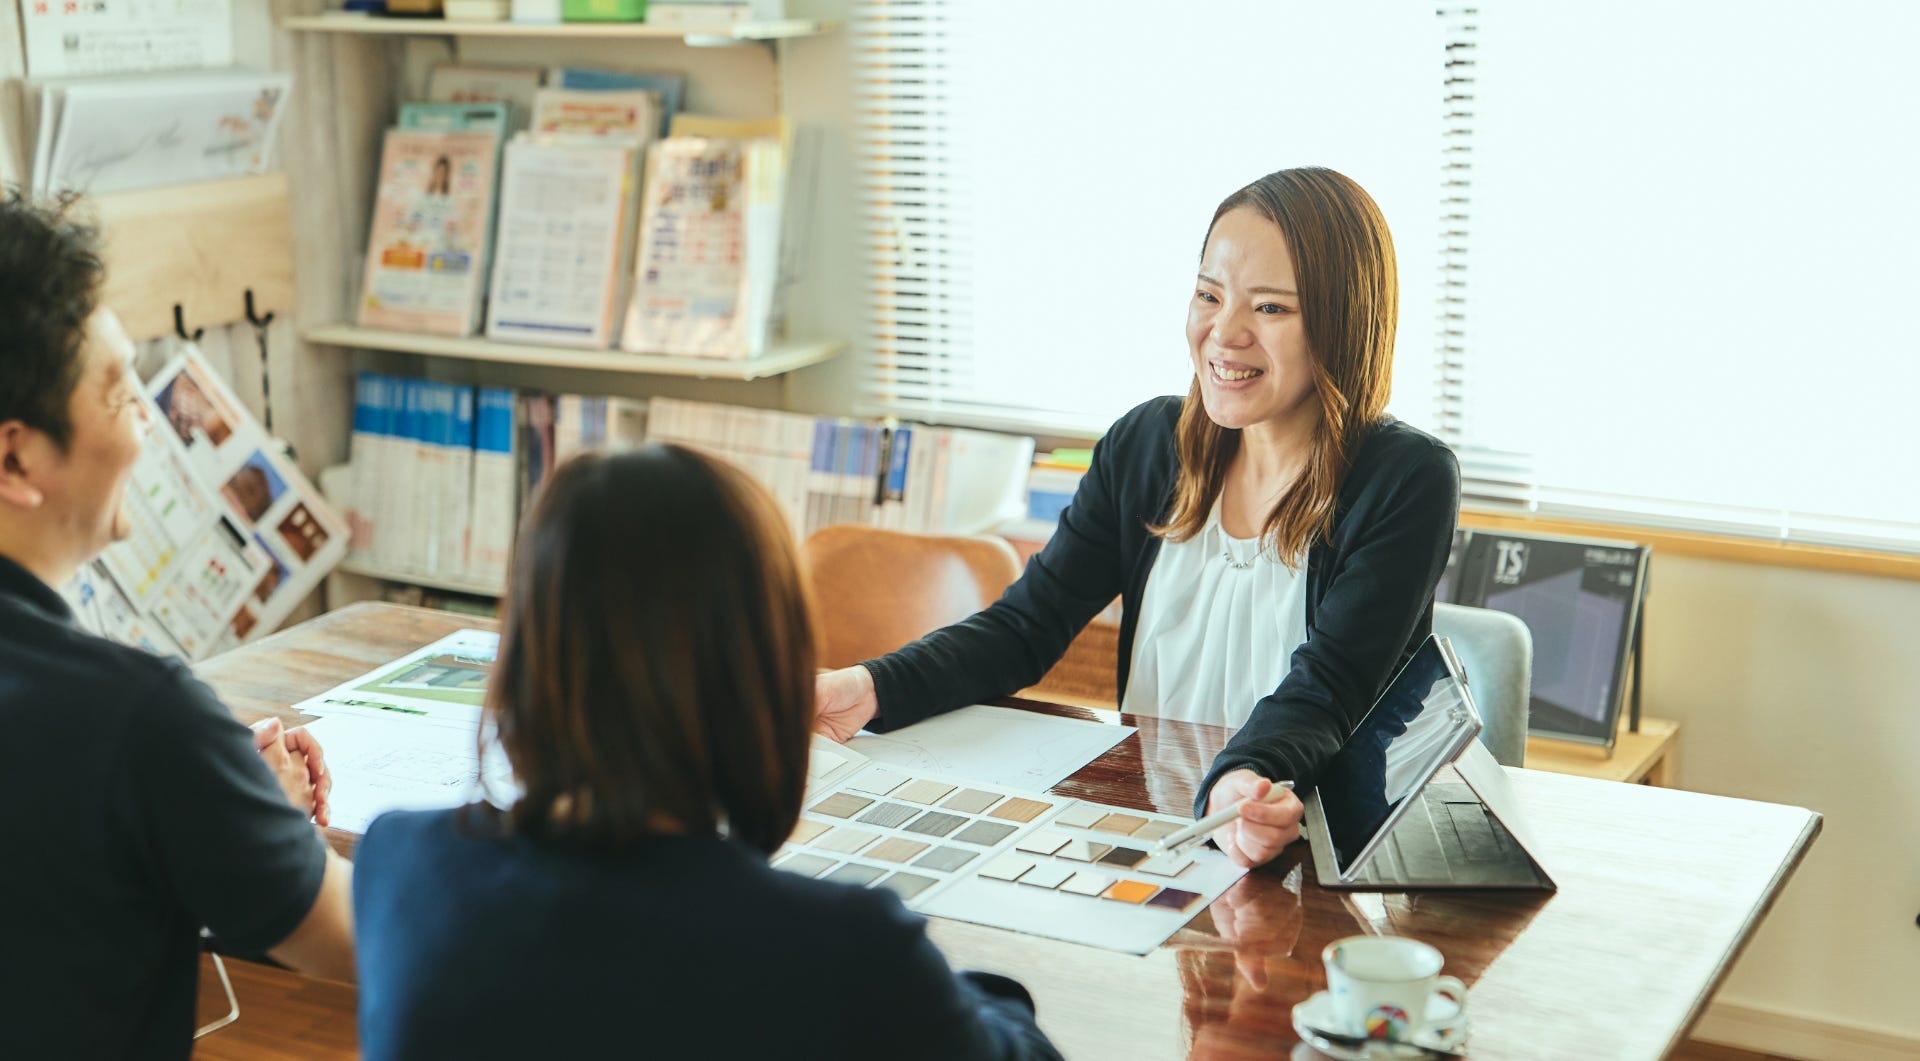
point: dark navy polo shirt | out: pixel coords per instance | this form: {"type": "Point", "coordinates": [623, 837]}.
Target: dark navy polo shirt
{"type": "Point", "coordinates": [133, 811]}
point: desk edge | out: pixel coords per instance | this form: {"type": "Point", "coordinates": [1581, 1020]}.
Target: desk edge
{"type": "Point", "coordinates": [1778, 884]}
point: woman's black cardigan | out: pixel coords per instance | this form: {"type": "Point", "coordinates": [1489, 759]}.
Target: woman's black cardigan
{"type": "Point", "coordinates": [1369, 595]}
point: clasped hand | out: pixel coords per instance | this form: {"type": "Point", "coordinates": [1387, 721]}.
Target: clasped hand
{"type": "Point", "coordinates": [297, 763]}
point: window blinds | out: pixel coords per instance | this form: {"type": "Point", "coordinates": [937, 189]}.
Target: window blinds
{"type": "Point", "coordinates": [1693, 244]}
{"type": "Point", "coordinates": [1659, 278]}
{"type": "Point", "coordinates": [1038, 183]}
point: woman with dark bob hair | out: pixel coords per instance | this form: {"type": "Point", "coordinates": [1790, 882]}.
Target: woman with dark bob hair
{"type": "Point", "coordinates": [654, 696]}
{"type": "Point", "coordinates": [1274, 537]}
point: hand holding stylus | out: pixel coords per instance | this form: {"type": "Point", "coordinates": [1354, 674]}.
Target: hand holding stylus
{"type": "Point", "coordinates": [1193, 834]}
{"type": "Point", "coordinates": [1268, 821]}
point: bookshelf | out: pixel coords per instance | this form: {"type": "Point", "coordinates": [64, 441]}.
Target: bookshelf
{"type": "Point", "coordinates": [353, 71]}
{"type": "Point", "coordinates": [781, 358]}
{"type": "Point", "coordinates": [738, 32]}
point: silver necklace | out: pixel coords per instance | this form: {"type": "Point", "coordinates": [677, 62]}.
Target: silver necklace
{"type": "Point", "coordinates": [1226, 552]}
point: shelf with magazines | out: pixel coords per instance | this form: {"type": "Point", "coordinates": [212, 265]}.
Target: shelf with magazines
{"type": "Point", "coordinates": [506, 251]}
{"type": "Point", "coordinates": [780, 358]}
{"type": "Point", "coordinates": [736, 32]}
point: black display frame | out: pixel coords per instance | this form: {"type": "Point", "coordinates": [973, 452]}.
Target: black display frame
{"type": "Point", "coordinates": [1465, 582]}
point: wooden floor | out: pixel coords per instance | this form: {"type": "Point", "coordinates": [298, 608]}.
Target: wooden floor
{"type": "Point", "coordinates": [302, 1028]}
{"type": "Point", "coordinates": [302, 1025]}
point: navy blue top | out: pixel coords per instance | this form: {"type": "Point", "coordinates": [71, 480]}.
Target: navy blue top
{"type": "Point", "coordinates": [133, 811]}
{"type": "Point", "coordinates": [477, 945]}
{"type": "Point", "coordinates": [1369, 594]}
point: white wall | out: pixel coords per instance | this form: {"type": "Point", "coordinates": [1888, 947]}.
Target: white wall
{"type": "Point", "coordinates": [1803, 687]}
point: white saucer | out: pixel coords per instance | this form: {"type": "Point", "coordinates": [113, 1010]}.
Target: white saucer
{"type": "Point", "coordinates": [1447, 1031]}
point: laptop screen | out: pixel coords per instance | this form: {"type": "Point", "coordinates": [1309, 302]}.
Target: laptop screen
{"type": "Point", "coordinates": [1417, 726]}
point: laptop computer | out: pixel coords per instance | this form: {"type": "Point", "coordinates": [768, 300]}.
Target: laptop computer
{"type": "Point", "coordinates": [1378, 820]}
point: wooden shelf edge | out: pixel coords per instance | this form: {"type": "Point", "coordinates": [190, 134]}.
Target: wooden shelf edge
{"type": "Point", "coordinates": [1635, 755]}
{"type": "Point", "coordinates": [1708, 546]}
{"type": "Point", "coordinates": [375, 25]}
{"type": "Point", "coordinates": [451, 585]}
{"type": "Point", "coordinates": [782, 358]}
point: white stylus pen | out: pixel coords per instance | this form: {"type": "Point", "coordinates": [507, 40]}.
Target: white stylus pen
{"type": "Point", "coordinates": [1201, 829]}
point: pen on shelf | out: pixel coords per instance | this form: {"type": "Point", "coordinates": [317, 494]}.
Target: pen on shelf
{"type": "Point", "coordinates": [1199, 830]}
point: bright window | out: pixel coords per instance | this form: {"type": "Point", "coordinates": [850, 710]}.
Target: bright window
{"type": "Point", "coordinates": [1041, 175]}
{"type": "Point", "coordinates": [1656, 258]}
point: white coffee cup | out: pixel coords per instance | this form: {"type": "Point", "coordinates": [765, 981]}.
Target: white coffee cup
{"type": "Point", "coordinates": [1382, 986]}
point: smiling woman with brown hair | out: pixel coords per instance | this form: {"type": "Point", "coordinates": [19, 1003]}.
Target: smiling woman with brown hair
{"type": "Point", "coordinates": [654, 695]}
{"type": "Point", "coordinates": [1274, 538]}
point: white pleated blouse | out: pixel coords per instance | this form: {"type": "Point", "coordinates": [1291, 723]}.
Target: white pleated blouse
{"type": "Point", "coordinates": [1219, 621]}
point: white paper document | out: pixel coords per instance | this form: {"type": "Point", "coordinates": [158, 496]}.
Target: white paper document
{"type": "Point", "coordinates": [444, 682]}
{"type": "Point", "coordinates": [386, 764]}
{"type": "Point", "coordinates": [995, 745]}
{"type": "Point", "coordinates": [564, 216]}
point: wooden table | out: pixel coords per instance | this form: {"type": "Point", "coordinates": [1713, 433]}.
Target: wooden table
{"type": "Point", "coordinates": [1651, 755]}
{"type": "Point", "coordinates": [1659, 892]}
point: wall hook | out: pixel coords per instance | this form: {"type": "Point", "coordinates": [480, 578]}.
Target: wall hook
{"type": "Point", "coordinates": [260, 324]}
{"type": "Point", "coordinates": [180, 327]}
{"type": "Point", "coordinates": [254, 318]}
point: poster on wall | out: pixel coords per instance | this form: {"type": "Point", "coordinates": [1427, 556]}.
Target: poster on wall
{"type": "Point", "coordinates": [226, 535]}
{"type": "Point", "coordinates": [78, 38]}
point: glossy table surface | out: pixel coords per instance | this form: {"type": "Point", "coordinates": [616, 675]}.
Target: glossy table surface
{"type": "Point", "coordinates": [1658, 892]}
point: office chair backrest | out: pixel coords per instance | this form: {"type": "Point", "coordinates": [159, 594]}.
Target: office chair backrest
{"type": "Point", "coordinates": [1496, 650]}
{"type": "Point", "coordinates": [877, 590]}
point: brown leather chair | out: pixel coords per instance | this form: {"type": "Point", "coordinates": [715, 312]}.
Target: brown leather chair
{"type": "Point", "coordinates": [880, 589]}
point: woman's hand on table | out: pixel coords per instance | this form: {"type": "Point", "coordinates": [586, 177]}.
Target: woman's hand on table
{"type": "Point", "coordinates": [845, 702]}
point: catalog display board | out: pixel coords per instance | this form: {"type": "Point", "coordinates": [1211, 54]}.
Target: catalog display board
{"type": "Point", "coordinates": [225, 535]}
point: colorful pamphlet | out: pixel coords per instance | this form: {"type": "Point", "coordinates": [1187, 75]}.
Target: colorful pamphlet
{"type": "Point", "coordinates": [709, 248]}
{"type": "Point", "coordinates": [615, 119]}
{"type": "Point", "coordinates": [432, 226]}
{"type": "Point", "coordinates": [670, 88]}
{"type": "Point", "coordinates": [486, 84]}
